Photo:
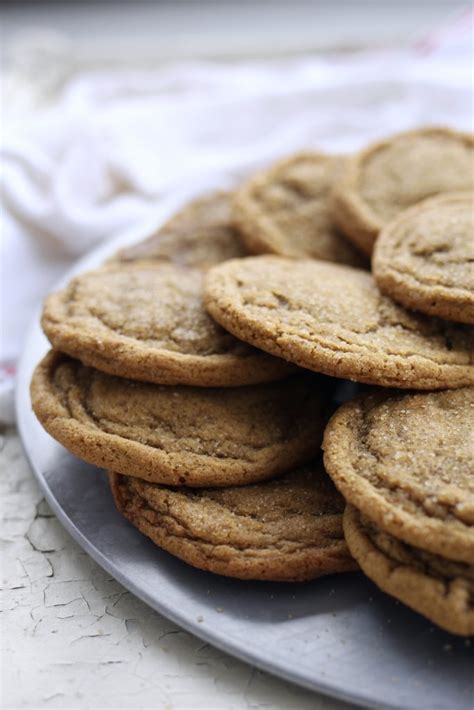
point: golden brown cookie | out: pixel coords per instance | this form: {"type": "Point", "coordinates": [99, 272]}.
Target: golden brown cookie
{"type": "Point", "coordinates": [289, 529]}
{"type": "Point", "coordinates": [179, 435]}
{"type": "Point", "coordinates": [285, 210]}
{"type": "Point", "coordinates": [146, 320]}
{"type": "Point", "coordinates": [381, 181]}
{"type": "Point", "coordinates": [424, 259]}
{"type": "Point", "coordinates": [406, 461]}
{"type": "Point", "coordinates": [199, 235]}
{"type": "Point", "coordinates": [439, 589]}
{"type": "Point", "coordinates": [333, 319]}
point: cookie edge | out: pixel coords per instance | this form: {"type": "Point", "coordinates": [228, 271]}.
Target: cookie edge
{"type": "Point", "coordinates": [401, 581]}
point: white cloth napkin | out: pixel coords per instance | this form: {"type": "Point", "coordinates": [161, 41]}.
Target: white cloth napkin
{"type": "Point", "coordinates": [115, 143]}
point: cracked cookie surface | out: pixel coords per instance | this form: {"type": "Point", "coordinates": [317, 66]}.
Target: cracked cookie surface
{"type": "Point", "coordinates": [378, 183]}
{"type": "Point", "coordinates": [406, 462]}
{"type": "Point", "coordinates": [146, 320]}
{"type": "Point", "coordinates": [179, 435]}
{"type": "Point", "coordinates": [425, 258]}
{"type": "Point", "coordinates": [285, 210]}
{"type": "Point", "coordinates": [441, 590]}
{"type": "Point", "coordinates": [333, 319]}
{"type": "Point", "coordinates": [288, 529]}
{"type": "Point", "coordinates": [199, 235]}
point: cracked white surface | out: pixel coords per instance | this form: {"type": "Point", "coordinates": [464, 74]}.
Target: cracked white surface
{"type": "Point", "coordinates": [72, 637]}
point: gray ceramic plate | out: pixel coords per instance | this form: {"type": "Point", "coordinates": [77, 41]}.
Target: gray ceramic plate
{"type": "Point", "coordinates": [338, 635]}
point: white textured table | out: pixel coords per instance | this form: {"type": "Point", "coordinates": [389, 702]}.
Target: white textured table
{"type": "Point", "coordinates": [72, 637]}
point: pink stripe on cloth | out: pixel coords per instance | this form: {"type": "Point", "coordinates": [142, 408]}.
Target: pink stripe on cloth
{"type": "Point", "coordinates": [450, 35]}
{"type": "Point", "coordinates": [7, 370]}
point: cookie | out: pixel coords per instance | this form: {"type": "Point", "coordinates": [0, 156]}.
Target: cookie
{"type": "Point", "coordinates": [406, 461]}
{"type": "Point", "coordinates": [145, 320]}
{"type": "Point", "coordinates": [424, 259]}
{"type": "Point", "coordinates": [199, 235]}
{"type": "Point", "coordinates": [285, 210]}
{"type": "Point", "coordinates": [289, 529]}
{"type": "Point", "coordinates": [333, 319]}
{"type": "Point", "coordinates": [441, 590]}
{"type": "Point", "coordinates": [383, 180]}
{"type": "Point", "coordinates": [179, 435]}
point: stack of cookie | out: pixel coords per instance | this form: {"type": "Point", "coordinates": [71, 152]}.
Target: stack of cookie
{"type": "Point", "coordinates": [202, 377]}
{"type": "Point", "coordinates": [190, 421]}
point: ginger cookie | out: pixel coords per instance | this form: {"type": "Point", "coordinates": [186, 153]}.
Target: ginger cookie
{"type": "Point", "coordinates": [289, 529]}
{"type": "Point", "coordinates": [199, 235]}
{"type": "Point", "coordinates": [179, 435]}
{"type": "Point", "coordinates": [406, 461]}
{"type": "Point", "coordinates": [424, 259]}
{"type": "Point", "coordinates": [146, 320]}
{"type": "Point", "coordinates": [383, 180]}
{"type": "Point", "coordinates": [441, 590]}
{"type": "Point", "coordinates": [285, 210]}
{"type": "Point", "coordinates": [333, 319]}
